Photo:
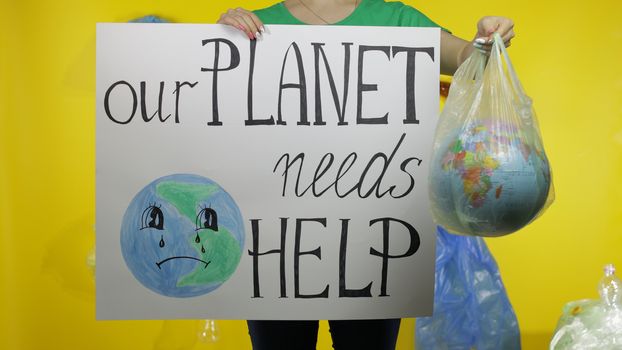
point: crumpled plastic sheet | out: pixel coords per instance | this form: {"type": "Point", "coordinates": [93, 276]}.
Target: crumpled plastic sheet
{"type": "Point", "coordinates": [471, 307]}
{"type": "Point", "coordinates": [588, 325]}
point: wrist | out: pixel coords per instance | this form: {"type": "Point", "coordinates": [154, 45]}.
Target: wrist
{"type": "Point", "coordinates": [465, 52]}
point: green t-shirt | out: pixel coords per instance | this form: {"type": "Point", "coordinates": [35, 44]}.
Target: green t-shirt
{"type": "Point", "coordinates": [367, 13]}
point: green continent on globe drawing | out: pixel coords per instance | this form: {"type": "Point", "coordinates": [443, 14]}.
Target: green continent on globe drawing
{"type": "Point", "coordinates": [220, 247]}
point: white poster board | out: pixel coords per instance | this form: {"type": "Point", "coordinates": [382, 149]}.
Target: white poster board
{"type": "Point", "coordinates": [284, 178]}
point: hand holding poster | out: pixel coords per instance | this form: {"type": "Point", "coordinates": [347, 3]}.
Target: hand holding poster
{"type": "Point", "coordinates": [274, 179]}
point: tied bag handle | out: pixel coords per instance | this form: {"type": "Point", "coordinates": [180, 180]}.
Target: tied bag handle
{"type": "Point", "coordinates": [524, 105]}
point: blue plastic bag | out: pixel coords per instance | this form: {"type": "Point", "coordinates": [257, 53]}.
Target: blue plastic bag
{"type": "Point", "coordinates": [471, 307]}
{"type": "Point", "coordinates": [149, 19]}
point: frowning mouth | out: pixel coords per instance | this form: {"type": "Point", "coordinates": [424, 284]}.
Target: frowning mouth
{"type": "Point", "coordinates": [182, 257]}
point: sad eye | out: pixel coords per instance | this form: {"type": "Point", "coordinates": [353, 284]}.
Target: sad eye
{"type": "Point", "coordinates": [152, 217]}
{"type": "Point", "coordinates": [207, 219]}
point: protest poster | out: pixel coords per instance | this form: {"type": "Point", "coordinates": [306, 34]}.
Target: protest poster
{"type": "Point", "coordinates": [284, 178]}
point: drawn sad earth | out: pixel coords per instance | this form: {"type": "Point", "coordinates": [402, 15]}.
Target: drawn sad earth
{"type": "Point", "coordinates": [182, 236]}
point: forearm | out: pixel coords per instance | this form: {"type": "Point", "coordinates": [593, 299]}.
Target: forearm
{"type": "Point", "coordinates": [454, 51]}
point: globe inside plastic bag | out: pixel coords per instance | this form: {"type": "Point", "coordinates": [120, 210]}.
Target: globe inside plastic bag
{"type": "Point", "coordinates": [593, 324]}
{"type": "Point", "coordinates": [489, 175]}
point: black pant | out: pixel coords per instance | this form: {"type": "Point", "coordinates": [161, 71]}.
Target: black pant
{"type": "Point", "coordinates": [346, 334]}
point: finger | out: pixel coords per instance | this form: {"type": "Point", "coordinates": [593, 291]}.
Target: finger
{"type": "Point", "coordinates": [225, 18]}
{"type": "Point", "coordinates": [482, 47]}
{"type": "Point", "coordinates": [230, 21]}
{"type": "Point", "coordinates": [242, 24]}
{"type": "Point", "coordinates": [245, 18]}
{"type": "Point", "coordinates": [233, 21]}
{"type": "Point", "coordinates": [250, 31]}
{"type": "Point", "coordinates": [483, 51]}
{"type": "Point", "coordinates": [258, 23]}
{"type": "Point", "coordinates": [508, 36]}
{"type": "Point", "coordinates": [230, 17]}
{"type": "Point", "coordinates": [482, 44]}
{"type": "Point", "coordinates": [505, 26]}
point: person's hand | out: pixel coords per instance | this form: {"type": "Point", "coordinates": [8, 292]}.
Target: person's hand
{"type": "Point", "coordinates": [245, 21]}
{"type": "Point", "coordinates": [489, 25]}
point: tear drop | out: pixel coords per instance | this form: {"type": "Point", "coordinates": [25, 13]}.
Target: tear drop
{"type": "Point", "coordinates": [197, 239]}
{"type": "Point", "coordinates": [161, 241]}
{"type": "Point", "coordinates": [202, 249]}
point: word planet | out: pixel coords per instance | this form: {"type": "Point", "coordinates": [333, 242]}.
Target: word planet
{"type": "Point", "coordinates": [488, 180]}
{"type": "Point", "coordinates": [182, 235]}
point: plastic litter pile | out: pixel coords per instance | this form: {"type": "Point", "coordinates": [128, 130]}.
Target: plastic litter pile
{"type": "Point", "coordinates": [593, 324]}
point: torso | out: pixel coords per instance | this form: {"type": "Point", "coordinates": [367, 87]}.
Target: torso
{"type": "Point", "coordinates": [321, 12]}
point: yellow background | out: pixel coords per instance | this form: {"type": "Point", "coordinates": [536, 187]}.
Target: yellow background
{"type": "Point", "coordinates": [568, 55]}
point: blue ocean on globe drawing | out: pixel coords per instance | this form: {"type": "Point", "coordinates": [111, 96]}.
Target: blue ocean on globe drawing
{"type": "Point", "coordinates": [182, 235]}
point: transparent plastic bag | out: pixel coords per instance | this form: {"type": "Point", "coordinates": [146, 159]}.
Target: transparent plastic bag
{"type": "Point", "coordinates": [593, 324]}
{"type": "Point", "coordinates": [471, 307]}
{"type": "Point", "coordinates": [489, 175]}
